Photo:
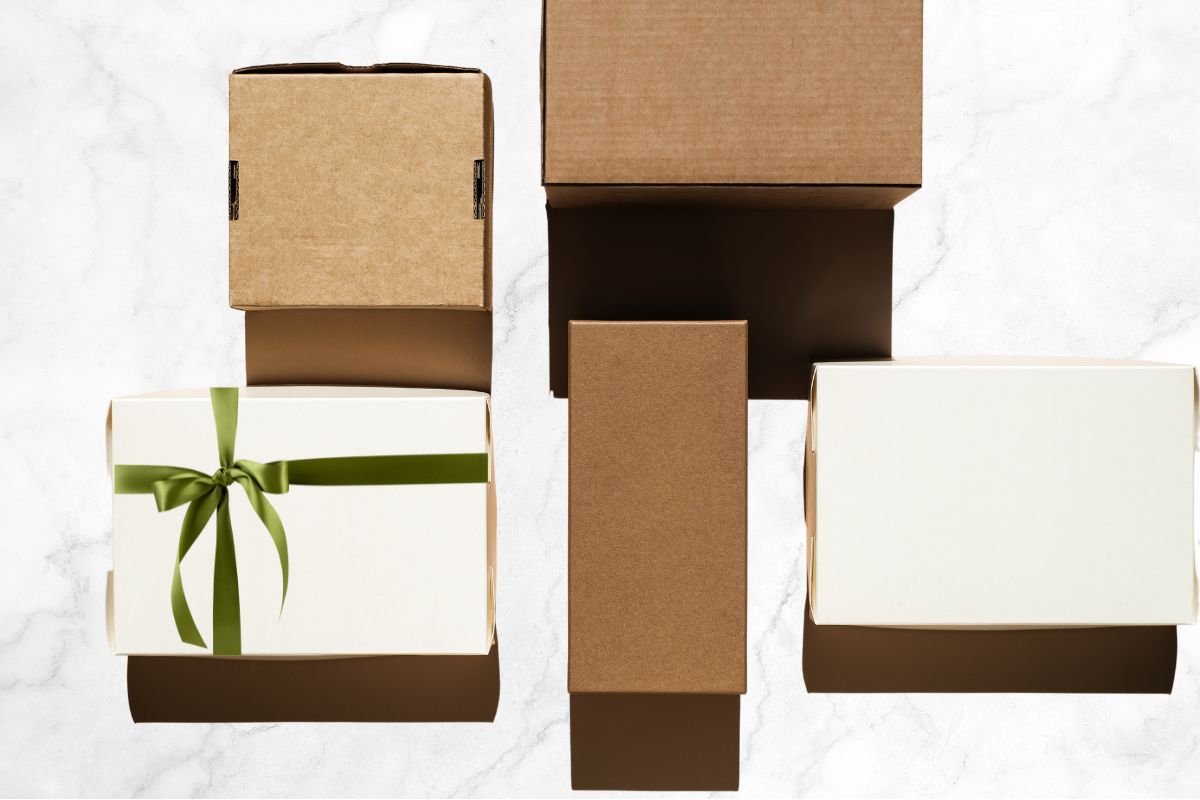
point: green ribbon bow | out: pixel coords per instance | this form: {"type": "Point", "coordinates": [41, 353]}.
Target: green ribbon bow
{"type": "Point", "coordinates": [209, 494]}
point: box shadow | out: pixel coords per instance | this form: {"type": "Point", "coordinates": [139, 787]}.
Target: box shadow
{"type": "Point", "coordinates": [655, 742]}
{"type": "Point", "coordinates": [814, 284]}
{"type": "Point", "coordinates": [416, 347]}
{"type": "Point", "coordinates": [1123, 660]}
{"type": "Point", "coordinates": [368, 689]}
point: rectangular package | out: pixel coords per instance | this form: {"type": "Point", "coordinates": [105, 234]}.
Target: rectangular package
{"type": "Point", "coordinates": [775, 103]}
{"type": "Point", "coordinates": [657, 507]}
{"type": "Point", "coordinates": [980, 492]}
{"type": "Point", "coordinates": [389, 520]}
{"type": "Point", "coordinates": [360, 187]}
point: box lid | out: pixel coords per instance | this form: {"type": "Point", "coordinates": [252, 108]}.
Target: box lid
{"type": "Point", "coordinates": [977, 492]}
{"type": "Point", "coordinates": [359, 187]}
{"type": "Point", "coordinates": [428, 572]}
{"type": "Point", "coordinates": [657, 506]}
{"type": "Point", "coordinates": [728, 92]}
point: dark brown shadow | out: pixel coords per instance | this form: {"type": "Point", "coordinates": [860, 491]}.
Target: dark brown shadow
{"type": "Point", "coordinates": [814, 285]}
{"type": "Point", "coordinates": [1128, 660]}
{"type": "Point", "coordinates": [429, 348]}
{"type": "Point", "coordinates": [370, 689]}
{"type": "Point", "coordinates": [655, 742]}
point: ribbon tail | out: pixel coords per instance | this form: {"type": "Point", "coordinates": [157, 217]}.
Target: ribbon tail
{"type": "Point", "coordinates": [266, 512]}
{"type": "Point", "coordinates": [227, 607]}
{"type": "Point", "coordinates": [196, 517]}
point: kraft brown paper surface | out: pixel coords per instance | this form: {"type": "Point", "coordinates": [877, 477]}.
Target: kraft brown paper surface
{"type": "Point", "coordinates": [727, 92]}
{"type": "Point", "coordinates": [657, 507]}
{"type": "Point", "coordinates": [356, 189]}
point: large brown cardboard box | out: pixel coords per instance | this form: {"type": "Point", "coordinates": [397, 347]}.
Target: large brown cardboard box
{"type": "Point", "coordinates": [657, 507]}
{"type": "Point", "coordinates": [359, 187]}
{"type": "Point", "coordinates": [774, 103]}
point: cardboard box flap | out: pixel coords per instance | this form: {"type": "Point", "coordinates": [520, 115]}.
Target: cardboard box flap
{"type": "Point", "coordinates": [1065, 490]}
{"type": "Point", "coordinates": [335, 68]}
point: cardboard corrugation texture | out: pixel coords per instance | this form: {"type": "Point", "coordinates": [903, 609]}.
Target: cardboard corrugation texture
{"type": "Point", "coordinates": [657, 507]}
{"type": "Point", "coordinates": [779, 92]}
{"type": "Point", "coordinates": [356, 187]}
{"type": "Point", "coordinates": [814, 285]}
{"type": "Point", "coordinates": [854, 658]}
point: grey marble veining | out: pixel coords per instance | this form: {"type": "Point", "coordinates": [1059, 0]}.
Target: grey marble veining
{"type": "Point", "coordinates": [1058, 216]}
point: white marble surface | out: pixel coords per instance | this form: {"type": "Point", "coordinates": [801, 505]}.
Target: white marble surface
{"type": "Point", "coordinates": [1059, 216]}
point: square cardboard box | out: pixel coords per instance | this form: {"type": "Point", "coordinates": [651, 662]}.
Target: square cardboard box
{"type": "Point", "coordinates": [360, 187]}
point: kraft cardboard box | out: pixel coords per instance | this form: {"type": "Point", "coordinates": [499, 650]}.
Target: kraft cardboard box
{"type": "Point", "coordinates": [1003, 492]}
{"type": "Point", "coordinates": [360, 187]}
{"type": "Point", "coordinates": [782, 103]}
{"type": "Point", "coordinates": [657, 507]}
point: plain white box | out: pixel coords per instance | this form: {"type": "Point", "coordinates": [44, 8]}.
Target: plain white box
{"type": "Point", "coordinates": [983, 492]}
{"type": "Point", "coordinates": [373, 569]}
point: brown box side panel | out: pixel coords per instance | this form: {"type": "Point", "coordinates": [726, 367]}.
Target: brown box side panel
{"type": "Point", "coordinates": [1127, 660]}
{"type": "Point", "coordinates": [424, 348]}
{"type": "Point", "coordinates": [372, 689]}
{"type": "Point", "coordinates": [729, 196]}
{"type": "Point", "coordinates": [655, 742]}
{"type": "Point", "coordinates": [814, 285]}
{"type": "Point", "coordinates": [357, 190]}
{"type": "Point", "coordinates": [725, 91]}
{"type": "Point", "coordinates": [657, 507]}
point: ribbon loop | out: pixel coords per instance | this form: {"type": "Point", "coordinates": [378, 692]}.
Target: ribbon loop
{"type": "Point", "coordinates": [271, 478]}
{"type": "Point", "coordinates": [174, 492]}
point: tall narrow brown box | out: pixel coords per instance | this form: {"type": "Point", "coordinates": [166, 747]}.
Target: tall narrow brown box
{"type": "Point", "coordinates": [360, 187]}
{"type": "Point", "coordinates": [657, 507]}
{"type": "Point", "coordinates": [772, 103]}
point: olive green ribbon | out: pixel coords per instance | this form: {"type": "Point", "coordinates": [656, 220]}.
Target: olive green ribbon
{"type": "Point", "coordinates": [209, 494]}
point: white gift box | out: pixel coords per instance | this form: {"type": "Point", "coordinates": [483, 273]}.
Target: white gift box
{"type": "Point", "coordinates": [984, 492]}
{"type": "Point", "coordinates": [374, 569]}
